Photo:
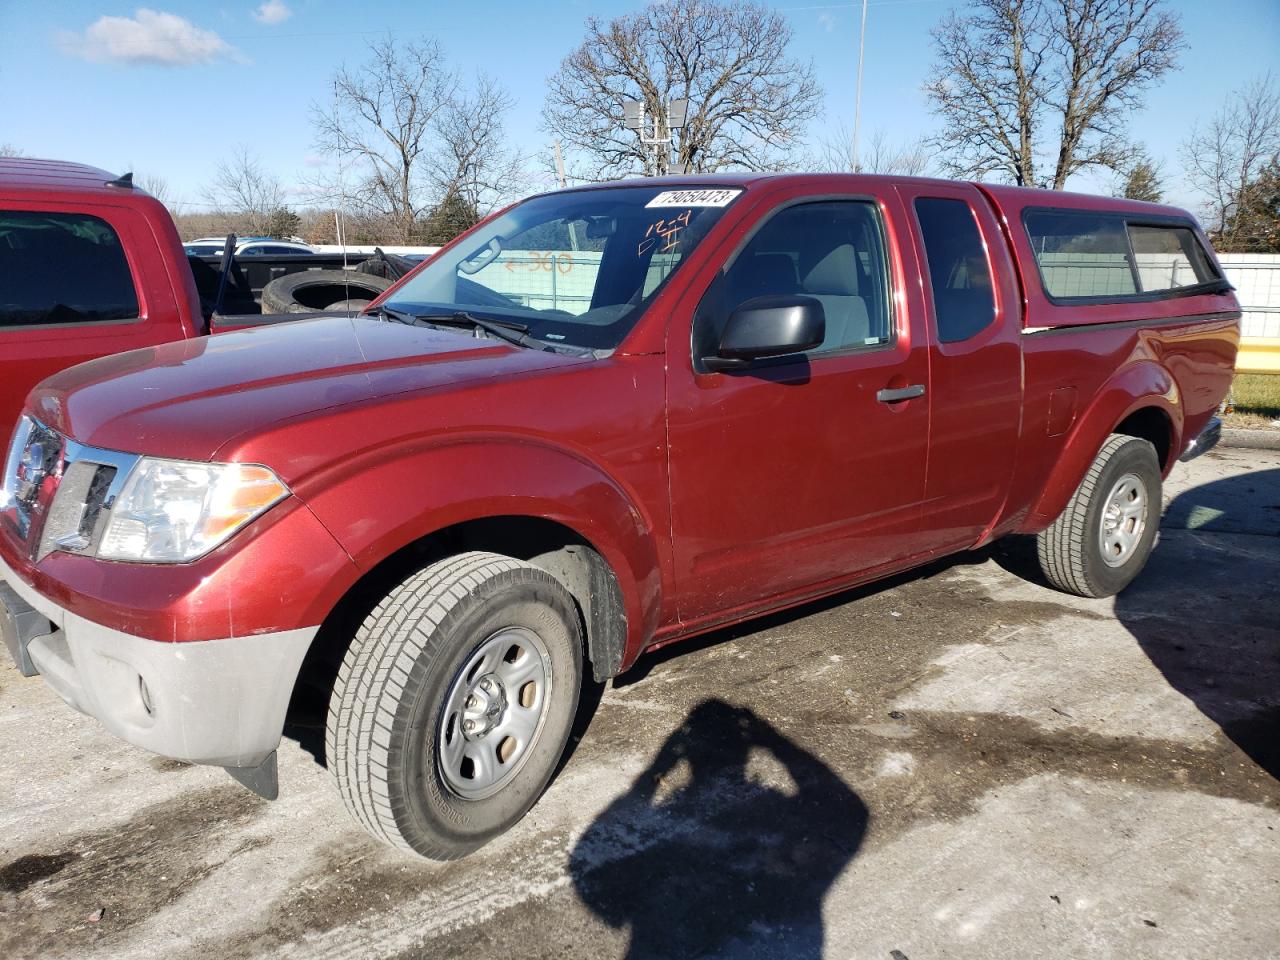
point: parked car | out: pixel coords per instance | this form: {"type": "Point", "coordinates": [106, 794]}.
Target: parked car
{"type": "Point", "coordinates": [248, 246]}
{"type": "Point", "coordinates": [605, 420]}
{"type": "Point", "coordinates": [91, 265]}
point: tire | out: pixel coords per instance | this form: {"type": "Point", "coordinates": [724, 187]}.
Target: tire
{"type": "Point", "coordinates": [396, 701]}
{"type": "Point", "coordinates": [349, 307]}
{"type": "Point", "coordinates": [1077, 555]}
{"type": "Point", "coordinates": [312, 290]}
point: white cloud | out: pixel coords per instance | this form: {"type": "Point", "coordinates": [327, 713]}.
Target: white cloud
{"type": "Point", "coordinates": [827, 21]}
{"type": "Point", "coordinates": [148, 37]}
{"type": "Point", "coordinates": [273, 11]}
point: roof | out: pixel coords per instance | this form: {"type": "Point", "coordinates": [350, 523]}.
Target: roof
{"type": "Point", "coordinates": [23, 175]}
{"type": "Point", "coordinates": [1005, 195]}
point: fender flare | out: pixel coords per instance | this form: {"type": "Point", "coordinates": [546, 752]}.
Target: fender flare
{"type": "Point", "coordinates": [425, 490]}
{"type": "Point", "coordinates": [1137, 386]}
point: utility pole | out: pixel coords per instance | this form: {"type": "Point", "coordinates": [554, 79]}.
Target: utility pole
{"type": "Point", "coordinates": [560, 177]}
{"type": "Point", "coordinates": [675, 115]}
{"type": "Point", "coordinates": [857, 97]}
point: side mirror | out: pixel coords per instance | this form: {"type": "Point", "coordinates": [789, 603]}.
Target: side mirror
{"type": "Point", "coordinates": [773, 326]}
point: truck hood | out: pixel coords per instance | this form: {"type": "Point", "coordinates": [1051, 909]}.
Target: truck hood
{"type": "Point", "coordinates": [187, 399]}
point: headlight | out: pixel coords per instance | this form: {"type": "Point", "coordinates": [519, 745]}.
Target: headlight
{"type": "Point", "coordinates": [171, 511]}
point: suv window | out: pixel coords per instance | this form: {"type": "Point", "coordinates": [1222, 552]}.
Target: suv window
{"type": "Point", "coordinates": [832, 251]}
{"type": "Point", "coordinates": [1096, 255]}
{"type": "Point", "coordinates": [959, 276]}
{"type": "Point", "coordinates": [268, 250]}
{"type": "Point", "coordinates": [62, 268]}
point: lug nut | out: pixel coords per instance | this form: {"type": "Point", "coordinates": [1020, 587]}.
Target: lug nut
{"type": "Point", "coordinates": [468, 725]}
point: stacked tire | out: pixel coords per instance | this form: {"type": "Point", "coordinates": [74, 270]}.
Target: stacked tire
{"type": "Point", "coordinates": [347, 291]}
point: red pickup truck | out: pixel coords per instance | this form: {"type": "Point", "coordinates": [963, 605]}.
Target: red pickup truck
{"type": "Point", "coordinates": [604, 420]}
{"type": "Point", "coordinates": [91, 265]}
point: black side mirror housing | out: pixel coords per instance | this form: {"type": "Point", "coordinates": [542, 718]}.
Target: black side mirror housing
{"type": "Point", "coordinates": [772, 326]}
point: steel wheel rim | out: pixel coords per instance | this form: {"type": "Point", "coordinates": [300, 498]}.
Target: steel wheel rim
{"type": "Point", "coordinates": [493, 713]}
{"type": "Point", "coordinates": [1123, 520]}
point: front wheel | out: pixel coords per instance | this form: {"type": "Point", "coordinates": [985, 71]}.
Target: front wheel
{"type": "Point", "coordinates": [1103, 538]}
{"type": "Point", "coordinates": [455, 702]}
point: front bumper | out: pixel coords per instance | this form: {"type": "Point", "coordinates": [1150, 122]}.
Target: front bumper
{"type": "Point", "coordinates": [219, 702]}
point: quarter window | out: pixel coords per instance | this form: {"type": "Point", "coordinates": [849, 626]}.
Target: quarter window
{"type": "Point", "coordinates": [830, 251]}
{"type": "Point", "coordinates": [1168, 258]}
{"type": "Point", "coordinates": [62, 268]}
{"type": "Point", "coordinates": [959, 276]}
{"type": "Point", "coordinates": [1085, 255]}
{"type": "Point", "coordinates": [1081, 254]}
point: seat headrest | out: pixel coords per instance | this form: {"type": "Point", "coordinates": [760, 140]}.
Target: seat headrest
{"type": "Point", "coordinates": [835, 275]}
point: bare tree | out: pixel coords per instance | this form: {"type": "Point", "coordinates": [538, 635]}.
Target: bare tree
{"type": "Point", "coordinates": [9, 150]}
{"type": "Point", "coordinates": [1030, 85]}
{"type": "Point", "coordinates": [241, 187]}
{"type": "Point", "coordinates": [749, 101]}
{"type": "Point", "coordinates": [474, 161]}
{"type": "Point", "coordinates": [877, 154]}
{"type": "Point", "coordinates": [1228, 153]}
{"type": "Point", "coordinates": [413, 134]}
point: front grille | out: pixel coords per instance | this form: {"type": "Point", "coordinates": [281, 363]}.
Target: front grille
{"type": "Point", "coordinates": [73, 519]}
{"type": "Point", "coordinates": [58, 493]}
{"type": "Point", "coordinates": [32, 473]}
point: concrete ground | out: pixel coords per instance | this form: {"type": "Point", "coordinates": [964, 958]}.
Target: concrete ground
{"type": "Point", "coordinates": [959, 763]}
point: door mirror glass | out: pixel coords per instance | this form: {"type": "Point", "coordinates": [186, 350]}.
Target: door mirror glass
{"type": "Point", "coordinates": [769, 326]}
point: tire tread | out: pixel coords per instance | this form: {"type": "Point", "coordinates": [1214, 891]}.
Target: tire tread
{"type": "Point", "coordinates": [374, 677]}
{"type": "Point", "coordinates": [1061, 547]}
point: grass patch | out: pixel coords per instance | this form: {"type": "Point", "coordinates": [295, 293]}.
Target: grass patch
{"type": "Point", "coordinates": [1255, 400]}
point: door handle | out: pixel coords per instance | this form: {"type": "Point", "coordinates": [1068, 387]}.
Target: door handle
{"type": "Point", "coordinates": [900, 393]}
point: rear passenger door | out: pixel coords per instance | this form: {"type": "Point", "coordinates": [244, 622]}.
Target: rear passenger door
{"type": "Point", "coordinates": [975, 364]}
{"type": "Point", "coordinates": [799, 472]}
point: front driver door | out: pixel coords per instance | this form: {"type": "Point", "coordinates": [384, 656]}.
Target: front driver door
{"type": "Point", "coordinates": [801, 472]}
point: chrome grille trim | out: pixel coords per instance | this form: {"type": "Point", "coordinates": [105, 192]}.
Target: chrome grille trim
{"type": "Point", "coordinates": [85, 483]}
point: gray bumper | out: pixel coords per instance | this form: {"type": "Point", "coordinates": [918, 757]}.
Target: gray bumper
{"type": "Point", "coordinates": [218, 702]}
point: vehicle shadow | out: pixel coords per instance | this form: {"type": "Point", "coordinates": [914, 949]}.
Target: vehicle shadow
{"type": "Point", "coordinates": [712, 853]}
{"type": "Point", "coordinates": [1205, 608]}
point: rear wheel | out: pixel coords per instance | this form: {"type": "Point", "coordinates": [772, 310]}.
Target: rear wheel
{"type": "Point", "coordinates": [1103, 538]}
{"type": "Point", "coordinates": [455, 702]}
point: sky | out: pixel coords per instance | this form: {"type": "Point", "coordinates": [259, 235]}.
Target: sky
{"type": "Point", "coordinates": [90, 82]}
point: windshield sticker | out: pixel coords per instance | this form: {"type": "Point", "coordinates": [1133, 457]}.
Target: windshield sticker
{"type": "Point", "coordinates": [665, 231]}
{"type": "Point", "coordinates": [693, 198]}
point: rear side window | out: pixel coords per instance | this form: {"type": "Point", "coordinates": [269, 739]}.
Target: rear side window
{"type": "Point", "coordinates": [62, 268]}
{"type": "Point", "coordinates": [958, 272]}
{"type": "Point", "coordinates": [1168, 258]}
{"type": "Point", "coordinates": [1085, 255]}
{"type": "Point", "coordinates": [1081, 254]}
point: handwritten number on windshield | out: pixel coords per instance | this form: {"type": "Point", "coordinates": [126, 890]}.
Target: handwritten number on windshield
{"type": "Point", "coordinates": [666, 232]}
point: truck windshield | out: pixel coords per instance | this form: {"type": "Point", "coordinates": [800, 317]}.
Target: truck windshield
{"type": "Point", "coordinates": [575, 268]}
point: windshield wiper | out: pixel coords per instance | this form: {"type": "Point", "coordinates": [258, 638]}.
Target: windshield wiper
{"type": "Point", "coordinates": [400, 316]}
{"type": "Point", "coordinates": [508, 330]}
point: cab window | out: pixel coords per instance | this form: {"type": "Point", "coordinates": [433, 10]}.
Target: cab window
{"type": "Point", "coordinates": [60, 268]}
{"type": "Point", "coordinates": [832, 251]}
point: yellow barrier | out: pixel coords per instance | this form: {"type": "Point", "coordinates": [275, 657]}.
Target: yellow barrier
{"type": "Point", "coordinates": [1258, 355]}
